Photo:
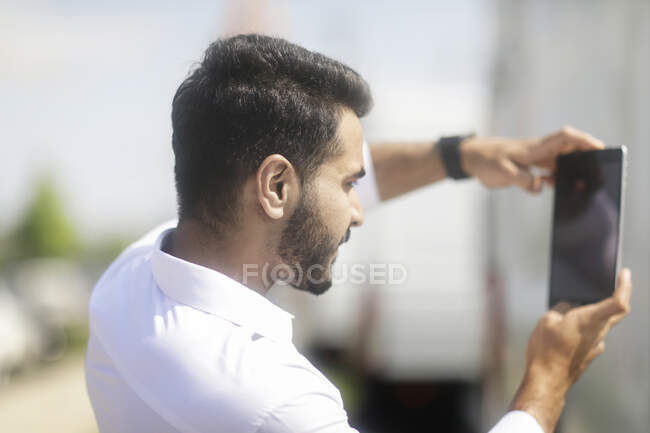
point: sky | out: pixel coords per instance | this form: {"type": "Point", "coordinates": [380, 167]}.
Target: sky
{"type": "Point", "coordinates": [86, 87]}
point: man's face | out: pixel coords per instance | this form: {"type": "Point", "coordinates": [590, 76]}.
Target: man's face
{"type": "Point", "coordinates": [328, 208]}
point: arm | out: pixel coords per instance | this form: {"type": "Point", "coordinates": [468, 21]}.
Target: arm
{"type": "Point", "coordinates": [403, 167]}
{"type": "Point", "coordinates": [496, 162]}
{"type": "Point", "coordinates": [565, 341]}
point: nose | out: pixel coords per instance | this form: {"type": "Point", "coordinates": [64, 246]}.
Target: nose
{"type": "Point", "coordinates": [357, 210]}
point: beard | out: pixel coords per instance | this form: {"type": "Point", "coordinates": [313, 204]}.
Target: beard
{"type": "Point", "coordinates": [306, 247]}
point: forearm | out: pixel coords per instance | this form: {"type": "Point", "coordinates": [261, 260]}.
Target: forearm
{"type": "Point", "coordinates": [541, 397]}
{"type": "Point", "coordinates": [402, 167]}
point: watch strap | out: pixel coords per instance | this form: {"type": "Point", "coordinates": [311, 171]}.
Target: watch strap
{"type": "Point", "coordinates": [449, 148]}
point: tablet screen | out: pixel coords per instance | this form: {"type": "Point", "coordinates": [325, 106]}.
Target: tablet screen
{"type": "Point", "coordinates": [586, 226]}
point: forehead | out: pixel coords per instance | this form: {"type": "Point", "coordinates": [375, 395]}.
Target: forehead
{"type": "Point", "coordinates": [350, 135]}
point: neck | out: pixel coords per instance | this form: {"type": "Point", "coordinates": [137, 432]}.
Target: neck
{"type": "Point", "coordinates": [239, 256]}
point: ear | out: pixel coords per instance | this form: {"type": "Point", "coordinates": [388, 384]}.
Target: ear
{"type": "Point", "coordinates": [276, 182]}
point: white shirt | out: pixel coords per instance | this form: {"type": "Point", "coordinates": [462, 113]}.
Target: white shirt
{"type": "Point", "coordinates": [177, 347]}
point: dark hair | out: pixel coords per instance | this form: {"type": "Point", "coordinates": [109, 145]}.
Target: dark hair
{"type": "Point", "coordinates": [250, 97]}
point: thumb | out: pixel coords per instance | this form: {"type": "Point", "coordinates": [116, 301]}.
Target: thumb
{"type": "Point", "coordinates": [617, 305]}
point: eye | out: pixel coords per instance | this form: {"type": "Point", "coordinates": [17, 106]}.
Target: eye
{"type": "Point", "coordinates": [352, 183]}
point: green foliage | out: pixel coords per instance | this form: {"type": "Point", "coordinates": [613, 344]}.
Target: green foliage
{"type": "Point", "coordinates": [45, 230]}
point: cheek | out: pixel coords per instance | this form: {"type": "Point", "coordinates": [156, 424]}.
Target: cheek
{"type": "Point", "coordinates": [335, 209]}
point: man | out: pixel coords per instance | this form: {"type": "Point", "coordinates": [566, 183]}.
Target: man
{"type": "Point", "coordinates": [268, 148]}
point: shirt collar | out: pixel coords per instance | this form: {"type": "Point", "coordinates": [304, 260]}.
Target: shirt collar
{"type": "Point", "coordinates": [216, 293]}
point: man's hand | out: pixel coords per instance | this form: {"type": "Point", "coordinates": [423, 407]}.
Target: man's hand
{"type": "Point", "coordinates": [500, 162]}
{"type": "Point", "coordinates": [561, 347]}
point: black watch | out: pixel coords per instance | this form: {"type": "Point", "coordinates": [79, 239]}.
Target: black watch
{"type": "Point", "coordinates": [450, 155]}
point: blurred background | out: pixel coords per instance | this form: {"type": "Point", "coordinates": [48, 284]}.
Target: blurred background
{"type": "Point", "coordinates": [86, 168]}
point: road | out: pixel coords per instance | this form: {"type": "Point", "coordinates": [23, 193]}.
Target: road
{"type": "Point", "coordinates": [51, 399]}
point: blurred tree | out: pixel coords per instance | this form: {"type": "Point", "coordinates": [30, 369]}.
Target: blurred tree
{"type": "Point", "coordinates": [4, 250]}
{"type": "Point", "coordinates": [45, 230]}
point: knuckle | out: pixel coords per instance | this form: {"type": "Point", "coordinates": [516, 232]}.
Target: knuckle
{"type": "Point", "coordinates": [625, 309]}
{"type": "Point", "coordinates": [549, 319]}
{"type": "Point", "coordinates": [503, 164]}
{"type": "Point", "coordinates": [544, 321]}
{"type": "Point", "coordinates": [621, 307]}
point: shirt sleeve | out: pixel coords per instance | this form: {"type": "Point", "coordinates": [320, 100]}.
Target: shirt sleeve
{"type": "Point", "coordinates": [517, 421]}
{"type": "Point", "coordinates": [312, 412]}
{"type": "Point", "coordinates": [367, 186]}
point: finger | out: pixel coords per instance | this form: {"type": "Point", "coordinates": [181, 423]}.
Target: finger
{"type": "Point", "coordinates": [562, 307]}
{"type": "Point", "coordinates": [615, 319]}
{"type": "Point", "coordinates": [568, 139]}
{"type": "Point", "coordinates": [580, 139]}
{"type": "Point", "coordinates": [522, 176]}
{"type": "Point", "coordinates": [536, 185]}
{"type": "Point", "coordinates": [624, 286]}
{"type": "Point", "coordinates": [552, 317]}
{"type": "Point", "coordinates": [549, 180]}
{"type": "Point", "coordinates": [593, 353]}
{"type": "Point", "coordinates": [625, 299]}
{"type": "Point", "coordinates": [617, 304]}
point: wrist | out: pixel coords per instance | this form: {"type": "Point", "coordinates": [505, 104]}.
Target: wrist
{"type": "Point", "coordinates": [541, 396]}
{"type": "Point", "coordinates": [448, 149]}
{"type": "Point", "coordinates": [465, 148]}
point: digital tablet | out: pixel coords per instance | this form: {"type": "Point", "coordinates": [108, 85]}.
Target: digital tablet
{"type": "Point", "coordinates": [587, 225]}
